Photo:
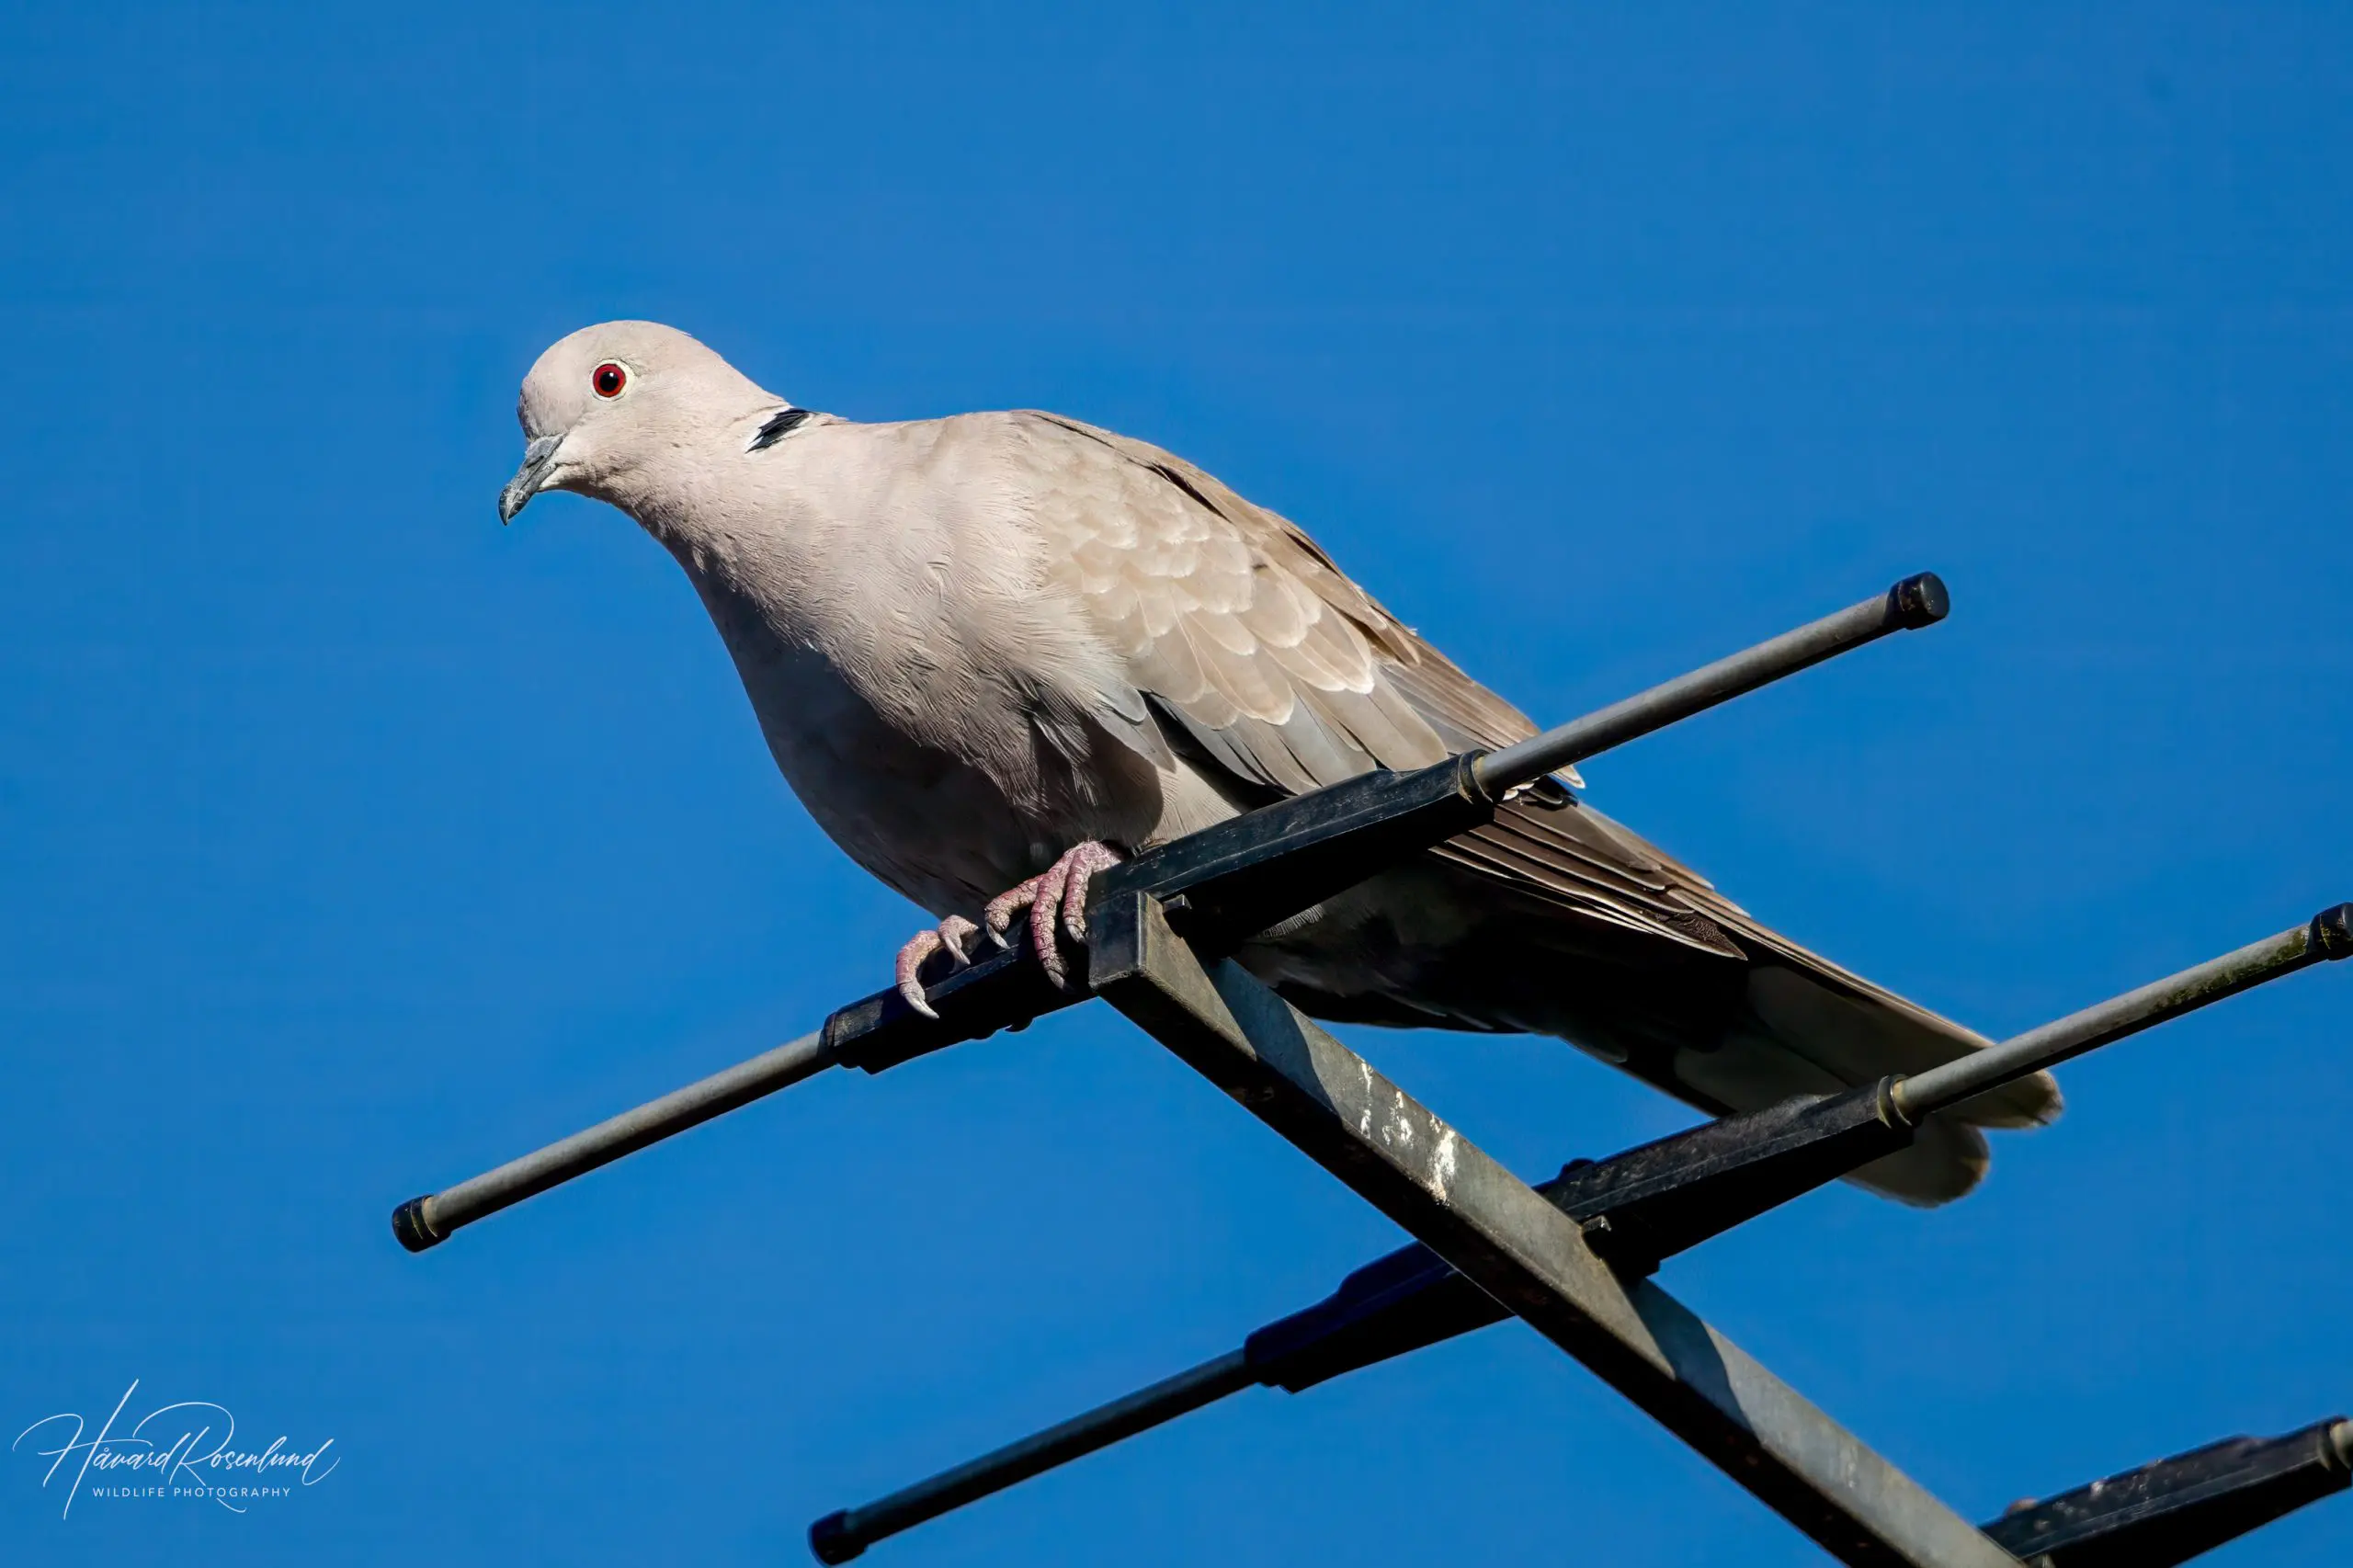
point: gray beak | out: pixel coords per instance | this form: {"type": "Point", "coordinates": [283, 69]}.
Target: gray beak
{"type": "Point", "coordinates": [537, 458]}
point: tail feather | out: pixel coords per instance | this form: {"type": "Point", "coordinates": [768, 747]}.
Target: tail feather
{"type": "Point", "coordinates": [1860, 1032]}
{"type": "Point", "coordinates": [1750, 1070]}
{"type": "Point", "coordinates": [1732, 1018]}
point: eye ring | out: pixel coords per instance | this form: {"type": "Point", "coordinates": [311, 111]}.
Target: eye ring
{"type": "Point", "coordinates": [608, 380]}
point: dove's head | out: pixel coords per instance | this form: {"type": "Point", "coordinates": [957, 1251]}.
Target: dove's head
{"type": "Point", "coordinates": [612, 402]}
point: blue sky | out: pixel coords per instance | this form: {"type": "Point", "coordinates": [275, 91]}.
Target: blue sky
{"type": "Point", "coordinates": [350, 843]}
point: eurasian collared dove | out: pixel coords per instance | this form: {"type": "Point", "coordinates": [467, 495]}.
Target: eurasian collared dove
{"type": "Point", "coordinates": [993, 653]}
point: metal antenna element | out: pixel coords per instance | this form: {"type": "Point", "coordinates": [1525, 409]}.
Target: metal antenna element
{"type": "Point", "coordinates": [1636, 1210]}
{"type": "Point", "coordinates": [2327, 936]}
{"type": "Point", "coordinates": [2176, 1509]}
{"type": "Point", "coordinates": [1236, 879]}
{"type": "Point", "coordinates": [1913, 603]}
{"type": "Point", "coordinates": [422, 1221]}
{"type": "Point", "coordinates": [840, 1536]}
{"type": "Point", "coordinates": [1228, 882]}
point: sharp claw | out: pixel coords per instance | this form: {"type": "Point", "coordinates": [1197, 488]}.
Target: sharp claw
{"type": "Point", "coordinates": [997, 918]}
{"type": "Point", "coordinates": [921, 946]}
{"type": "Point", "coordinates": [954, 932]}
{"type": "Point", "coordinates": [1045, 909]}
{"type": "Point", "coordinates": [1055, 898]}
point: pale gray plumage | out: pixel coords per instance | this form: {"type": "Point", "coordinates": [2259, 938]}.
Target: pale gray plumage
{"type": "Point", "coordinates": [974, 643]}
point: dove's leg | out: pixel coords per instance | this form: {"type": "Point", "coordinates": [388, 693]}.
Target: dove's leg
{"type": "Point", "coordinates": [1056, 900]}
{"type": "Point", "coordinates": [950, 936]}
{"type": "Point", "coordinates": [1055, 896]}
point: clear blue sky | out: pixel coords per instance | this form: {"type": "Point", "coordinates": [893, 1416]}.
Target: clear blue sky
{"type": "Point", "coordinates": [350, 843]}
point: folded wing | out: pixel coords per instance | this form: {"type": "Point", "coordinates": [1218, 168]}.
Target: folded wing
{"type": "Point", "coordinates": [1263, 665]}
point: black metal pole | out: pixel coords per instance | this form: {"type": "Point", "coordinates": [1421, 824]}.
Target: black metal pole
{"type": "Point", "coordinates": [1241, 876]}
{"type": "Point", "coordinates": [2327, 936]}
{"type": "Point", "coordinates": [842, 1535]}
{"type": "Point", "coordinates": [1913, 603]}
{"type": "Point", "coordinates": [1334, 1107]}
{"type": "Point", "coordinates": [426, 1222]}
{"type": "Point", "coordinates": [1638, 1208]}
{"type": "Point", "coordinates": [2181, 1507]}
{"type": "Point", "coordinates": [1272, 862]}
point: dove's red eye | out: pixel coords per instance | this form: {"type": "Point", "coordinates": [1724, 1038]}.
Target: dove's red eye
{"type": "Point", "coordinates": [608, 380]}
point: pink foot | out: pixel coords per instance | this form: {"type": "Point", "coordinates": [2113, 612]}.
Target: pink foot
{"type": "Point", "coordinates": [1055, 896]}
{"type": "Point", "coordinates": [950, 936]}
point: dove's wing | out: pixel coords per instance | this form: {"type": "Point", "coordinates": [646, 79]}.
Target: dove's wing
{"type": "Point", "coordinates": [1235, 625]}
{"type": "Point", "coordinates": [1265, 660]}
{"type": "Point", "coordinates": [1265, 664]}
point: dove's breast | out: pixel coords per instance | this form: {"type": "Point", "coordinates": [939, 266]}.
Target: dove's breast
{"type": "Point", "coordinates": [915, 700]}
{"type": "Point", "coordinates": [917, 815]}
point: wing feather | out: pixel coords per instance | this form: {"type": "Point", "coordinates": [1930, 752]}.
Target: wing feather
{"type": "Point", "coordinates": [1249, 643]}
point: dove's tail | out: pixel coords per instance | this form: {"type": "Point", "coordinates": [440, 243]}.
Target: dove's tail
{"type": "Point", "coordinates": [1732, 1019]}
{"type": "Point", "coordinates": [1809, 1025]}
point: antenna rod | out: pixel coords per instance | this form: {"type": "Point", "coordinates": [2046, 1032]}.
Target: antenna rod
{"type": "Point", "coordinates": [1914, 602]}
{"type": "Point", "coordinates": [425, 1222]}
{"type": "Point", "coordinates": [2327, 936]}
{"type": "Point", "coordinates": [846, 1532]}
